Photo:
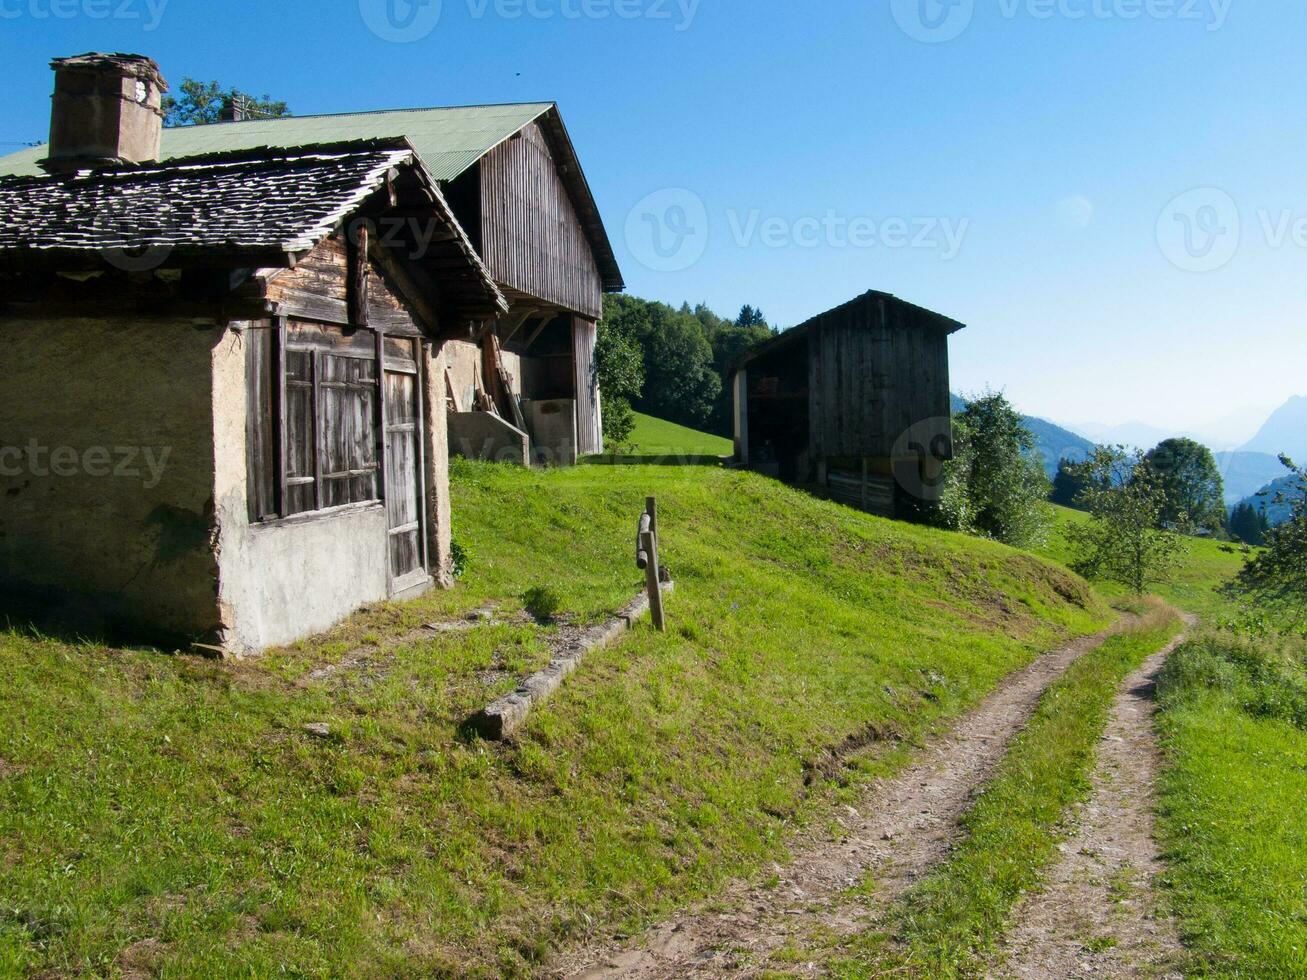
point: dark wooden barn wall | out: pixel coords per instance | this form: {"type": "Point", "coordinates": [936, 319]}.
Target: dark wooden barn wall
{"type": "Point", "coordinates": [531, 239]}
{"type": "Point", "coordinates": [876, 369]}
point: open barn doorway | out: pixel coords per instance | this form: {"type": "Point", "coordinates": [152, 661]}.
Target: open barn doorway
{"type": "Point", "coordinates": [778, 413]}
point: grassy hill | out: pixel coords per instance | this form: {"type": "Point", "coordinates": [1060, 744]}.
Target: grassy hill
{"type": "Point", "coordinates": [171, 814]}
{"type": "Point", "coordinates": [656, 437]}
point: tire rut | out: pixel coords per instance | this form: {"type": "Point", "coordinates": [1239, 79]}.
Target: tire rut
{"type": "Point", "coordinates": [1099, 914]}
{"type": "Point", "coordinates": [901, 828]}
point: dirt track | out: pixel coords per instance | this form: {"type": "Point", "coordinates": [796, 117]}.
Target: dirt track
{"type": "Point", "coordinates": [898, 831]}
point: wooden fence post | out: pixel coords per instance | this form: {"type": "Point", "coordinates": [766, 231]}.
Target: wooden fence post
{"type": "Point", "coordinates": [646, 557]}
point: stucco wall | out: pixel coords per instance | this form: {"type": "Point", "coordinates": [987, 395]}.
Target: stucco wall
{"type": "Point", "coordinates": [464, 362]}
{"type": "Point", "coordinates": [282, 581]}
{"type": "Point", "coordinates": [480, 435]}
{"type": "Point", "coordinates": [106, 463]}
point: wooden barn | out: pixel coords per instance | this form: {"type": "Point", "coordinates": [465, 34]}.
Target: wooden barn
{"type": "Point", "coordinates": [236, 363]}
{"type": "Point", "coordinates": [855, 400]}
{"type": "Point", "coordinates": [521, 386]}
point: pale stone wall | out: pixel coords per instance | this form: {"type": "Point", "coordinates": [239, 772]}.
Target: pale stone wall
{"type": "Point", "coordinates": [283, 580]}
{"type": "Point", "coordinates": [106, 471]}
{"type": "Point", "coordinates": [439, 533]}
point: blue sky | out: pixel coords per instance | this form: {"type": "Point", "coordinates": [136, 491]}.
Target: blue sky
{"type": "Point", "coordinates": [1110, 193]}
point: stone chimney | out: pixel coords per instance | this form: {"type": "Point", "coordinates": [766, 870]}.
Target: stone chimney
{"type": "Point", "coordinates": [107, 111]}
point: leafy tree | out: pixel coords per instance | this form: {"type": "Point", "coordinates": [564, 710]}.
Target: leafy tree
{"type": "Point", "coordinates": [681, 384]}
{"type": "Point", "coordinates": [994, 486]}
{"type": "Point", "coordinates": [1192, 485]}
{"type": "Point", "coordinates": [1069, 483]}
{"type": "Point", "coordinates": [1277, 577]}
{"type": "Point", "coordinates": [619, 367]}
{"type": "Point", "coordinates": [1123, 540]}
{"type": "Point", "coordinates": [203, 102]}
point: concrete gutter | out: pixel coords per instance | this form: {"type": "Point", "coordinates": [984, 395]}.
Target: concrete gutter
{"type": "Point", "coordinates": [504, 717]}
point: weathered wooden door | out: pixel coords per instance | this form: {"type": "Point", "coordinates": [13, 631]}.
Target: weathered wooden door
{"type": "Point", "coordinates": [404, 464]}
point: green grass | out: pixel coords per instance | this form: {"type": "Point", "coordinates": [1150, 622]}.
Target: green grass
{"type": "Point", "coordinates": [1205, 566]}
{"type": "Point", "coordinates": [946, 925]}
{"type": "Point", "coordinates": [1232, 722]}
{"type": "Point", "coordinates": [146, 797]}
{"type": "Point", "coordinates": [655, 437]}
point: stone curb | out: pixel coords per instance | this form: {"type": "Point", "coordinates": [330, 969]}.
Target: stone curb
{"type": "Point", "coordinates": [501, 719]}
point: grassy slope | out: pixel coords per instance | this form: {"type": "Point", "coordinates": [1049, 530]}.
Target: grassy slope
{"type": "Point", "coordinates": [1205, 566]}
{"type": "Point", "coordinates": [952, 919]}
{"type": "Point", "coordinates": [655, 437]}
{"type": "Point", "coordinates": [148, 797]}
{"type": "Point", "coordinates": [1231, 795]}
{"type": "Point", "coordinates": [1232, 815]}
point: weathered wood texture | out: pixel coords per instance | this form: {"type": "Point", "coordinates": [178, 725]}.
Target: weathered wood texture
{"type": "Point", "coordinates": [876, 369]}
{"type": "Point", "coordinates": [589, 419]}
{"type": "Point", "coordinates": [531, 238]}
{"type": "Point", "coordinates": [318, 288]}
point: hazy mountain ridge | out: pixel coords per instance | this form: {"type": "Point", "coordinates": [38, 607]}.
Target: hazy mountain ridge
{"type": "Point", "coordinates": [1284, 432]}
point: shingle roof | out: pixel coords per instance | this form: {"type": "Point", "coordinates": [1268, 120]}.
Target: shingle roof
{"type": "Point", "coordinates": [261, 205]}
{"type": "Point", "coordinates": [287, 201]}
{"type": "Point", "coordinates": [448, 141]}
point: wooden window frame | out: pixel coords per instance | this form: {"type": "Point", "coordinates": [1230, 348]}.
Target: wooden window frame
{"type": "Point", "coordinates": [282, 344]}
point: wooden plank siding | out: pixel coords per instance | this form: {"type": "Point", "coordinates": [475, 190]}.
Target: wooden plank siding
{"type": "Point", "coordinates": [876, 369]}
{"type": "Point", "coordinates": [589, 422]}
{"type": "Point", "coordinates": [531, 239]}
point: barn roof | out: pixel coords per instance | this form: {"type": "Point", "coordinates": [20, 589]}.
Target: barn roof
{"type": "Point", "coordinates": [261, 206]}
{"type": "Point", "coordinates": [448, 141]}
{"type": "Point", "coordinates": [936, 320]}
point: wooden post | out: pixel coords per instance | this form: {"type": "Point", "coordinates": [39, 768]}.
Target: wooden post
{"type": "Point", "coordinates": [651, 582]}
{"type": "Point", "coordinates": [646, 558]}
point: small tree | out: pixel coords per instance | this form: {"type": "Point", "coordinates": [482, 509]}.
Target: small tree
{"type": "Point", "coordinates": [1192, 485]}
{"type": "Point", "coordinates": [619, 368]}
{"type": "Point", "coordinates": [995, 485]}
{"type": "Point", "coordinates": [1248, 524]}
{"type": "Point", "coordinates": [1278, 576]}
{"type": "Point", "coordinates": [1069, 484]}
{"type": "Point", "coordinates": [202, 102]}
{"type": "Point", "coordinates": [1123, 541]}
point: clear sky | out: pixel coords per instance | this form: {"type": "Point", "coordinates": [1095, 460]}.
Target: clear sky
{"type": "Point", "coordinates": [1025, 166]}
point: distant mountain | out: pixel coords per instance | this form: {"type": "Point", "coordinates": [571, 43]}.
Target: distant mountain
{"type": "Point", "coordinates": [1284, 432]}
{"type": "Point", "coordinates": [1277, 510]}
{"type": "Point", "coordinates": [1247, 473]}
{"type": "Point", "coordinates": [1135, 435]}
{"type": "Point", "coordinates": [1053, 442]}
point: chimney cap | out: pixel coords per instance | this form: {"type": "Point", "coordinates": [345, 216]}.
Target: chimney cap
{"type": "Point", "coordinates": [127, 65]}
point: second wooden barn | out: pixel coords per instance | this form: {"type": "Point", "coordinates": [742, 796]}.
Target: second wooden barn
{"type": "Point", "coordinates": [855, 400]}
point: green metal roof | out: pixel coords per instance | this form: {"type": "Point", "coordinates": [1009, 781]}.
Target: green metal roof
{"type": "Point", "coordinates": [448, 140]}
